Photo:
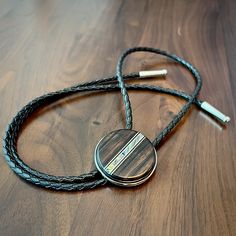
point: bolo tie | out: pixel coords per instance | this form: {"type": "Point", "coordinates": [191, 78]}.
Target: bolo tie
{"type": "Point", "coordinates": [124, 157]}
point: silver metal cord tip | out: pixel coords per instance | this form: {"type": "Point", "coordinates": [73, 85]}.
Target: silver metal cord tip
{"type": "Point", "coordinates": [152, 73]}
{"type": "Point", "coordinates": [213, 111]}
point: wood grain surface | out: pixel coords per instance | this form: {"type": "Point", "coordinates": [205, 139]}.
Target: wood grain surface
{"type": "Point", "coordinates": [126, 156]}
{"type": "Point", "coordinates": [48, 45]}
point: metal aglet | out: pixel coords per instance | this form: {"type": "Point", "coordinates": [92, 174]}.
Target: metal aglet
{"type": "Point", "coordinates": [152, 73]}
{"type": "Point", "coordinates": [216, 113]}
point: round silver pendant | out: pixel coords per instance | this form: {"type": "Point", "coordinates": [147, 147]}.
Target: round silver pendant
{"type": "Point", "coordinates": [125, 157]}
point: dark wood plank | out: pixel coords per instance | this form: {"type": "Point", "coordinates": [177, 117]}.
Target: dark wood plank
{"type": "Point", "coordinates": [48, 45]}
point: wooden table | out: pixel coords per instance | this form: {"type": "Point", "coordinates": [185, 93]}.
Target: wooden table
{"type": "Point", "coordinates": [49, 45]}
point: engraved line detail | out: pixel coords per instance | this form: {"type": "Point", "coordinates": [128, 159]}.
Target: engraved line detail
{"type": "Point", "coordinates": [124, 153]}
{"type": "Point", "coordinates": [121, 150]}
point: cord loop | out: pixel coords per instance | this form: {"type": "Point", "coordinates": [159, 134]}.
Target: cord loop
{"type": "Point", "coordinates": [94, 178]}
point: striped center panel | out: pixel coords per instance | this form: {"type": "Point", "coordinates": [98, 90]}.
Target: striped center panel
{"type": "Point", "coordinates": [124, 153]}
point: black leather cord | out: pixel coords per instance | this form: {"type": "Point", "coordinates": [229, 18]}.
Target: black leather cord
{"type": "Point", "coordinates": [94, 178]}
{"type": "Point", "coordinates": [125, 96]}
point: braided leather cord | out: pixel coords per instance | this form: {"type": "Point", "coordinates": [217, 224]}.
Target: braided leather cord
{"type": "Point", "coordinates": [94, 178]}
{"type": "Point", "coordinates": [185, 108]}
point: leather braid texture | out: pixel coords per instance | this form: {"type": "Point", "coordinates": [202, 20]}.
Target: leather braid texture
{"type": "Point", "coordinates": [124, 93]}
{"type": "Point", "coordinates": [94, 178]}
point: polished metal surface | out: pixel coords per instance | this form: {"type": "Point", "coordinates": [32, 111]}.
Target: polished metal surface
{"type": "Point", "coordinates": [215, 112]}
